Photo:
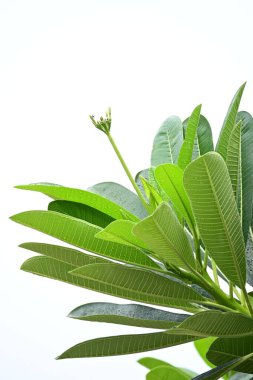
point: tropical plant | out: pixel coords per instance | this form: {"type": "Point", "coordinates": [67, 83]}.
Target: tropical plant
{"type": "Point", "coordinates": [183, 241]}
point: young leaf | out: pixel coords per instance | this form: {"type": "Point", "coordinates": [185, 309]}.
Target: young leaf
{"type": "Point", "coordinates": [165, 373]}
{"type": "Point", "coordinates": [222, 350]}
{"type": "Point", "coordinates": [209, 188]}
{"type": "Point", "coordinates": [80, 196]}
{"type": "Point", "coordinates": [82, 234]}
{"type": "Point", "coordinates": [123, 345]}
{"type": "Point", "coordinates": [215, 323]}
{"type": "Point", "coordinates": [120, 231]}
{"type": "Point", "coordinates": [64, 254]}
{"type": "Point", "coordinates": [229, 123]}
{"type": "Point", "coordinates": [80, 211]}
{"type": "Point", "coordinates": [131, 315]}
{"type": "Point", "coordinates": [203, 142]}
{"type": "Point", "coordinates": [186, 150]}
{"type": "Point", "coordinates": [120, 195]}
{"type": "Point", "coordinates": [151, 363]}
{"type": "Point", "coordinates": [167, 142]}
{"type": "Point", "coordinates": [202, 346]}
{"type": "Point", "coordinates": [170, 178]}
{"type": "Point", "coordinates": [165, 236]}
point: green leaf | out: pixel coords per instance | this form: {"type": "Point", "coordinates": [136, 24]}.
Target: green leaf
{"type": "Point", "coordinates": [203, 141]}
{"type": "Point", "coordinates": [247, 170]}
{"type": "Point", "coordinates": [165, 373]}
{"type": "Point", "coordinates": [80, 196]}
{"type": "Point", "coordinates": [123, 345]}
{"type": "Point", "coordinates": [209, 188]}
{"type": "Point", "coordinates": [152, 194]}
{"type": "Point", "coordinates": [82, 234]}
{"type": "Point", "coordinates": [202, 346]}
{"type": "Point", "coordinates": [218, 372]}
{"type": "Point", "coordinates": [233, 161]}
{"type": "Point", "coordinates": [64, 254]}
{"type": "Point", "coordinates": [249, 258]}
{"type": "Point", "coordinates": [215, 323]}
{"type": "Point", "coordinates": [132, 315]}
{"type": "Point", "coordinates": [170, 178]}
{"type": "Point", "coordinates": [120, 195]}
{"type": "Point", "coordinates": [186, 151]}
{"type": "Point", "coordinates": [167, 142]}
{"type": "Point", "coordinates": [229, 123]}
{"type": "Point", "coordinates": [151, 363]}
{"type": "Point", "coordinates": [120, 231]}
{"type": "Point", "coordinates": [80, 211]}
{"type": "Point", "coordinates": [165, 236]}
{"type": "Point", "coordinates": [223, 350]}
{"type": "Point", "coordinates": [139, 285]}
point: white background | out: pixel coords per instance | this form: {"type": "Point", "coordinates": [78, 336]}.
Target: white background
{"type": "Point", "coordinates": [61, 61]}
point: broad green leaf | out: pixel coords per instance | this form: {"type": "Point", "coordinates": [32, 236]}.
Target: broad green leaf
{"type": "Point", "coordinates": [229, 123]}
{"type": "Point", "coordinates": [120, 195]}
{"type": "Point", "coordinates": [202, 346]}
{"type": "Point", "coordinates": [233, 161]}
{"type": "Point", "coordinates": [165, 373]}
{"type": "Point", "coordinates": [80, 196]}
{"type": "Point", "coordinates": [80, 211]}
{"type": "Point", "coordinates": [165, 236]}
{"type": "Point", "coordinates": [132, 315]}
{"type": "Point", "coordinates": [82, 234]}
{"type": "Point", "coordinates": [203, 141]}
{"type": "Point", "coordinates": [139, 285]}
{"type": "Point", "coordinates": [123, 345]}
{"type": "Point", "coordinates": [222, 350]}
{"type": "Point", "coordinates": [220, 371]}
{"type": "Point", "coordinates": [186, 151]}
{"type": "Point", "coordinates": [64, 254]}
{"type": "Point", "coordinates": [120, 231]}
{"type": "Point", "coordinates": [170, 178]}
{"type": "Point", "coordinates": [152, 194]}
{"type": "Point", "coordinates": [167, 142]}
{"type": "Point", "coordinates": [151, 363]}
{"type": "Point", "coordinates": [215, 323]}
{"type": "Point", "coordinates": [209, 188]}
{"type": "Point", "coordinates": [54, 269]}
{"type": "Point", "coordinates": [247, 170]}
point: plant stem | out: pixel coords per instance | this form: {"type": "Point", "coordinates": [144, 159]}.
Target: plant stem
{"type": "Point", "coordinates": [127, 171]}
{"type": "Point", "coordinates": [215, 273]}
{"type": "Point", "coordinates": [248, 303]}
{"type": "Point", "coordinates": [205, 260]}
{"type": "Point", "coordinates": [231, 290]}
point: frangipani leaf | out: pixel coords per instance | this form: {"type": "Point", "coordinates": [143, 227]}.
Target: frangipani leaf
{"type": "Point", "coordinates": [82, 234]}
{"type": "Point", "coordinates": [186, 150]}
{"type": "Point", "coordinates": [229, 123]}
{"type": "Point", "coordinates": [140, 285]}
{"type": "Point", "coordinates": [246, 171]}
{"type": "Point", "coordinates": [223, 350]}
{"type": "Point", "coordinates": [218, 372]}
{"type": "Point", "coordinates": [131, 314]}
{"type": "Point", "coordinates": [209, 188]}
{"type": "Point", "coordinates": [165, 236]}
{"type": "Point", "coordinates": [80, 196]}
{"type": "Point", "coordinates": [120, 231]}
{"type": "Point", "coordinates": [233, 161]}
{"type": "Point", "coordinates": [165, 372]}
{"type": "Point", "coordinates": [170, 178]}
{"type": "Point", "coordinates": [167, 142]}
{"type": "Point", "coordinates": [81, 211]}
{"type": "Point", "coordinates": [203, 142]}
{"type": "Point", "coordinates": [215, 323]}
{"type": "Point", "coordinates": [152, 363]}
{"type": "Point", "coordinates": [119, 194]}
{"type": "Point", "coordinates": [202, 346]}
{"type": "Point", "coordinates": [123, 345]}
{"type": "Point", "coordinates": [64, 254]}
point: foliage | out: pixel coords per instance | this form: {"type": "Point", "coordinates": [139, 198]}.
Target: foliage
{"type": "Point", "coordinates": [183, 241]}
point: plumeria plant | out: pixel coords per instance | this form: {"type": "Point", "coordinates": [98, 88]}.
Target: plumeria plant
{"type": "Point", "coordinates": [182, 240]}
